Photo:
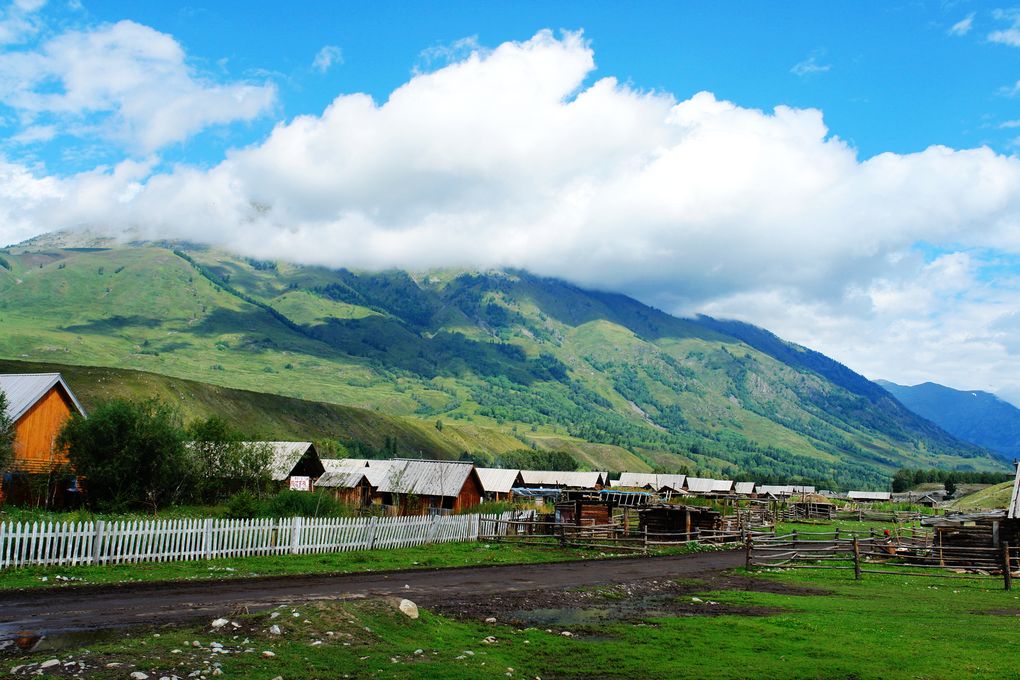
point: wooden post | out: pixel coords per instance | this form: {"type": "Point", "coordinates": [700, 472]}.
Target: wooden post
{"type": "Point", "coordinates": [1007, 570]}
{"type": "Point", "coordinates": [371, 532]}
{"type": "Point", "coordinates": [747, 553]}
{"type": "Point", "coordinates": [857, 560]}
{"type": "Point", "coordinates": [207, 539]}
{"type": "Point", "coordinates": [646, 538]}
{"type": "Point", "coordinates": [97, 541]}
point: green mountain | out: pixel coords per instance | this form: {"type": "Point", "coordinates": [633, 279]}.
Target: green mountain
{"type": "Point", "coordinates": [973, 416]}
{"type": "Point", "coordinates": [538, 361]}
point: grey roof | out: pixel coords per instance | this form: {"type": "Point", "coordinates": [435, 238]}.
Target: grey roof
{"type": "Point", "coordinates": [869, 495]}
{"type": "Point", "coordinates": [1013, 511]}
{"type": "Point", "coordinates": [743, 488]}
{"type": "Point", "coordinates": [425, 477]}
{"type": "Point", "coordinates": [495, 480]}
{"type": "Point", "coordinates": [285, 455]}
{"type": "Point", "coordinates": [650, 480]}
{"type": "Point", "coordinates": [784, 489]}
{"type": "Point", "coordinates": [580, 480]}
{"type": "Point", "coordinates": [703, 485]}
{"type": "Point", "coordinates": [346, 478]}
{"type": "Point", "coordinates": [336, 464]}
{"type": "Point", "coordinates": [23, 390]}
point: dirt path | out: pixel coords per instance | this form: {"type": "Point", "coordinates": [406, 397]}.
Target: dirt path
{"type": "Point", "coordinates": [97, 608]}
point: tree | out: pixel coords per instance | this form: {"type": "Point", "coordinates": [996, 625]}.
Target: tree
{"type": "Point", "coordinates": [6, 434]}
{"type": "Point", "coordinates": [131, 454]}
{"type": "Point", "coordinates": [224, 462]}
{"type": "Point", "coordinates": [950, 486]}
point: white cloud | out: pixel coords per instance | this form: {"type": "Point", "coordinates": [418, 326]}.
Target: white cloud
{"type": "Point", "coordinates": [516, 156]}
{"type": "Point", "coordinates": [1010, 35]}
{"type": "Point", "coordinates": [963, 26]}
{"type": "Point", "coordinates": [18, 21]}
{"type": "Point", "coordinates": [809, 67]}
{"type": "Point", "coordinates": [125, 82]}
{"type": "Point", "coordinates": [327, 57]}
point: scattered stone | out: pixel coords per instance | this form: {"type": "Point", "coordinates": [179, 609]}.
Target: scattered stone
{"type": "Point", "coordinates": [489, 640]}
{"type": "Point", "coordinates": [196, 643]}
{"type": "Point", "coordinates": [268, 654]}
{"type": "Point", "coordinates": [50, 663]}
{"type": "Point", "coordinates": [419, 652]}
{"type": "Point", "coordinates": [274, 615]}
{"type": "Point", "coordinates": [175, 651]}
{"type": "Point", "coordinates": [215, 645]}
{"type": "Point", "coordinates": [696, 599]}
{"type": "Point", "coordinates": [491, 619]}
{"type": "Point", "coordinates": [217, 671]}
{"type": "Point", "coordinates": [275, 630]}
{"type": "Point", "coordinates": [219, 623]}
{"type": "Point", "coordinates": [409, 609]}
{"type": "Point", "coordinates": [566, 633]}
{"type": "Point", "coordinates": [138, 675]}
{"type": "Point", "coordinates": [114, 664]}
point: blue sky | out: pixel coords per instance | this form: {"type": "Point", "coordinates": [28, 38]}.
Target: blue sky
{"type": "Point", "coordinates": [842, 173]}
{"type": "Point", "coordinates": [890, 76]}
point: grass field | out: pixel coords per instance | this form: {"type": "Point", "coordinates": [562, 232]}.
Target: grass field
{"type": "Point", "coordinates": [789, 625]}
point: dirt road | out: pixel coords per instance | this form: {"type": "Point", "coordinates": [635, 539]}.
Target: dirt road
{"type": "Point", "coordinates": [95, 608]}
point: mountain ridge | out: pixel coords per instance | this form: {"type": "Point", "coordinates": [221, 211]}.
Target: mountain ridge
{"type": "Point", "coordinates": [539, 359]}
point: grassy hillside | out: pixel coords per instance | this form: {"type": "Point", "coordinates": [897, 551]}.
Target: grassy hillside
{"type": "Point", "coordinates": [500, 357]}
{"type": "Point", "coordinates": [989, 498]}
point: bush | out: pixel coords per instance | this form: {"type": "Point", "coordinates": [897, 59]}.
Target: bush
{"type": "Point", "coordinates": [303, 504]}
{"type": "Point", "coordinates": [243, 505]}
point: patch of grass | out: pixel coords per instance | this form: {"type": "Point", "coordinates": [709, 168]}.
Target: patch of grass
{"type": "Point", "coordinates": [881, 627]}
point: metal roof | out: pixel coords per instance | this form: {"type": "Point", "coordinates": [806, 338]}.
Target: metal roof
{"type": "Point", "coordinates": [1013, 512]}
{"type": "Point", "coordinates": [425, 477]}
{"type": "Point", "coordinates": [285, 456]}
{"type": "Point", "coordinates": [495, 480]}
{"type": "Point", "coordinates": [869, 495]}
{"type": "Point", "coordinates": [580, 480]}
{"type": "Point", "coordinates": [703, 485]}
{"type": "Point", "coordinates": [651, 480]}
{"type": "Point", "coordinates": [346, 478]}
{"type": "Point", "coordinates": [743, 488]}
{"type": "Point", "coordinates": [337, 464]}
{"type": "Point", "coordinates": [784, 489]}
{"type": "Point", "coordinates": [23, 390]}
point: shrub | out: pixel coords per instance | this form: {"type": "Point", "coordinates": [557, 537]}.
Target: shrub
{"type": "Point", "coordinates": [303, 504]}
{"type": "Point", "coordinates": [243, 505]}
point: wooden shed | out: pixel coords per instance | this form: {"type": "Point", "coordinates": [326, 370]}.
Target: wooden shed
{"type": "Point", "coordinates": [678, 519]}
{"type": "Point", "coordinates": [813, 508]}
{"type": "Point", "coordinates": [39, 404]}
{"type": "Point", "coordinates": [350, 486]}
{"type": "Point", "coordinates": [418, 487]}
{"type": "Point", "coordinates": [498, 484]}
{"type": "Point", "coordinates": [585, 511]}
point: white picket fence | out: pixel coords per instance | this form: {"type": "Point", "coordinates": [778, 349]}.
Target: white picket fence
{"type": "Point", "coordinates": [73, 543]}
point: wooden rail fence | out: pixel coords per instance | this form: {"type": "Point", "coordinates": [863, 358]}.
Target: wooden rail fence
{"type": "Point", "coordinates": [871, 554]}
{"type": "Point", "coordinates": [99, 542]}
{"type": "Point", "coordinates": [600, 536]}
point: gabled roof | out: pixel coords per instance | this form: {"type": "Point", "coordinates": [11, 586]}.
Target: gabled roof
{"type": "Point", "coordinates": [425, 477]}
{"type": "Point", "coordinates": [869, 495]}
{"type": "Point", "coordinates": [495, 480]}
{"type": "Point", "coordinates": [1013, 511]}
{"type": "Point", "coordinates": [579, 480]}
{"type": "Point", "coordinates": [743, 488]}
{"type": "Point", "coordinates": [650, 480]}
{"type": "Point", "coordinates": [779, 490]}
{"type": "Point", "coordinates": [285, 456]}
{"type": "Point", "coordinates": [23, 390]}
{"type": "Point", "coordinates": [336, 464]}
{"type": "Point", "coordinates": [703, 485]}
{"type": "Point", "coordinates": [346, 478]}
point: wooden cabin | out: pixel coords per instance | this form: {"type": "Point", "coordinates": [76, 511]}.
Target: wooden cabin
{"type": "Point", "coordinates": [294, 465]}
{"type": "Point", "coordinates": [350, 486]}
{"type": "Point", "coordinates": [585, 511]}
{"type": "Point", "coordinates": [556, 479]}
{"type": "Point", "coordinates": [39, 404]}
{"type": "Point", "coordinates": [419, 487]}
{"type": "Point", "coordinates": [813, 509]}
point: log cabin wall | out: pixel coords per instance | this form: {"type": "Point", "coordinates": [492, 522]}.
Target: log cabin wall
{"type": "Point", "coordinates": [36, 433]}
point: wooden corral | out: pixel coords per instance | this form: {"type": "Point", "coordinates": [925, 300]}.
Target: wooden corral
{"type": "Point", "coordinates": [585, 512]}
{"type": "Point", "coordinates": [813, 509]}
{"type": "Point", "coordinates": [979, 530]}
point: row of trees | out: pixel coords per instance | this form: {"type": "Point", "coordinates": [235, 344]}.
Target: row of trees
{"type": "Point", "coordinates": [140, 454]}
{"type": "Point", "coordinates": [6, 435]}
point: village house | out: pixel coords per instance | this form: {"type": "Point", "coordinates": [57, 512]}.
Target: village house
{"type": "Point", "coordinates": [418, 487]}
{"type": "Point", "coordinates": [498, 484]}
{"type": "Point", "coordinates": [555, 479]}
{"type": "Point", "coordinates": [293, 465]}
{"type": "Point", "coordinates": [869, 496]}
{"type": "Point", "coordinates": [39, 404]}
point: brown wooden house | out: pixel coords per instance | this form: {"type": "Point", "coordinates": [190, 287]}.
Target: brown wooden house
{"type": "Point", "coordinates": [39, 404]}
{"type": "Point", "coordinates": [419, 487]}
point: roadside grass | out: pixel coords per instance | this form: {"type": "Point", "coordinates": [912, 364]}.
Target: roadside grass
{"type": "Point", "coordinates": [434, 556]}
{"type": "Point", "coordinates": [826, 626]}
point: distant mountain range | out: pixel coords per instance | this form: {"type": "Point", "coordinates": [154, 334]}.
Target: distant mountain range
{"type": "Point", "coordinates": [504, 357]}
{"type": "Point", "coordinates": [974, 416]}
